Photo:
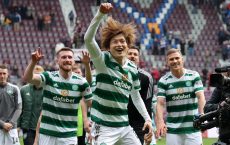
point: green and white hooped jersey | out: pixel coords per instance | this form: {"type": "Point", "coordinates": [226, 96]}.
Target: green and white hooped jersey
{"type": "Point", "coordinates": [93, 83]}
{"type": "Point", "coordinates": [181, 100]}
{"type": "Point", "coordinates": [60, 103]}
{"type": "Point", "coordinates": [113, 87]}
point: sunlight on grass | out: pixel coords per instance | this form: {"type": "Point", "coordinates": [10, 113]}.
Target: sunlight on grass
{"type": "Point", "coordinates": [206, 141]}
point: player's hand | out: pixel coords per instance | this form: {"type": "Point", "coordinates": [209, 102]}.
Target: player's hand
{"type": "Point", "coordinates": [148, 139]}
{"type": "Point", "coordinates": [106, 8]}
{"type": "Point", "coordinates": [85, 58]}
{"type": "Point", "coordinates": [87, 125]}
{"type": "Point", "coordinates": [7, 126]}
{"type": "Point", "coordinates": [90, 138]}
{"type": "Point", "coordinates": [37, 55]}
{"type": "Point", "coordinates": [161, 129]}
{"type": "Point", "coordinates": [148, 135]}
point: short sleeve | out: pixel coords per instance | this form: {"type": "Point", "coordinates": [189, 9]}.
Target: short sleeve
{"type": "Point", "coordinates": [161, 91]}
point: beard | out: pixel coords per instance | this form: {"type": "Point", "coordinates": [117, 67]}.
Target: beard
{"type": "Point", "coordinates": [65, 69]}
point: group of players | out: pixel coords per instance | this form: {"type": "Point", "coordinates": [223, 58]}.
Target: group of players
{"type": "Point", "coordinates": [122, 90]}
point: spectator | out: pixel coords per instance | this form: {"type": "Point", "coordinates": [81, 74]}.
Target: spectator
{"type": "Point", "coordinates": [47, 21]}
{"type": "Point", "coordinates": [2, 18]}
{"type": "Point", "coordinates": [40, 22]}
{"type": "Point", "coordinates": [8, 23]}
{"type": "Point", "coordinates": [156, 75]}
{"type": "Point", "coordinates": [190, 46]}
{"type": "Point", "coordinates": [16, 21]}
{"type": "Point", "coordinates": [223, 35]}
{"type": "Point", "coordinates": [71, 18]}
{"type": "Point", "coordinates": [30, 13]}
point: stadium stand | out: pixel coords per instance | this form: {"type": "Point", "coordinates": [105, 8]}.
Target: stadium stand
{"type": "Point", "coordinates": [17, 46]}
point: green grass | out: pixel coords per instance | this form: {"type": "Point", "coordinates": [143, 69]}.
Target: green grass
{"type": "Point", "coordinates": [206, 141]}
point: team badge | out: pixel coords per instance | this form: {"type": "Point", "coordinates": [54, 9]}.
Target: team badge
{"type": "Point", "coordinates": [180, 90]}
{"type": "Point", "coordinates": [74, 87]}
{"type": "Point", "coordinates": [188, 83]}
{"type": "Point", "coordinates": [10, 91]}
{"type": "Point", "coordinates": [64, 92]}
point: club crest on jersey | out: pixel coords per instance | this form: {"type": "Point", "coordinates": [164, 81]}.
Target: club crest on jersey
{"type": "Point", "coordinates": [188, 83]}
{"type": "Point", "coordinates": [64, 92]}
{"type": "Point", "coordinates": [10, 91]}
{"type": "Point", "coordinates": [180, 90]}
{"type": "Point", "coordinates": [74, 87]}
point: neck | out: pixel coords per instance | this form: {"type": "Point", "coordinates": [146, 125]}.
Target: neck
{"type": "Point", "coordinates": [121, 61]}
{"type": "Point", "coordinates": [65, 74]}
{"type": "Point", "coordinates": [178, 73]}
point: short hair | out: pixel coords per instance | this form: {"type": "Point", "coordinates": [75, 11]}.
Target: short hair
{"type": "Point", "coordinates": [112, 28]}
{"type": "Point", "coordinates": [64, 49]}
{"type": "Point", "coordinates": [2, 66]}
{"type": "Point", "coordinates": [173, 50]}
{"type": "Point", "coordinates": [135, 47]}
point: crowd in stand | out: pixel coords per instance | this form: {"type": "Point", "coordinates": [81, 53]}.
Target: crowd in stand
{"type": "Point", "coordinates": [172, 39]}
{"type": "Point", "coordinates": [14, 15]}
{"type": "Point", "coordinates": [224, 32]}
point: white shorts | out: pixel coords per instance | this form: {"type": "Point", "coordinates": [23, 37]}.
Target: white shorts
{"type": "Point", "coordinates": [9, 138]}
{"type": "Point", "coordinates": [184, 139]}
{"type": "Point", "coordinates": [50, 140]}
{"type": "Point", "coordinates": [114, 135]}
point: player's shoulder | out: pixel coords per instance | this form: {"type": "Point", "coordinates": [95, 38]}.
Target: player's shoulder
{"type": "Point", "coordinates": [144, 72]}
{"type": "Point", "coordinates": [190, 72]}
{"type": "Point", "coordinates": [78, 78]}
{"type": "Point", "coordinates": [51, 73]}
{"type": "Point", "coordinates": [131, 64]}
{"type": "Point", "coordinates": [12, 85]}
{"type": "Point", "coordinates": [25, 86]}
{"type": "Point", "coordinates": [167, 76]}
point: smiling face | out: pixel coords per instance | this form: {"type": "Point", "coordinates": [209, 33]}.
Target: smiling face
{"type": "Point", "coordinates": [118, 47]}
{"type": "Point", "coordinates": [65, 60]}
{"type": "Point", "coordinates": [133, 55]}
{"type": "Point", "coordinates": [175, 61]}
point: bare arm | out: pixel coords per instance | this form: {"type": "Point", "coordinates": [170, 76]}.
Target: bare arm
{"type": "Point", "coordinates": [86, 121]}
{"type": "Point", "coordinates": [89, 38]}
{"type": "Point", "coordinates": [201, 101]}
{"type": "Point", "coordinates": [86, 61]}
{"type": "Point", "coordinates": [161, 127]}
{"type": "Point", "coordinates": [28, 75]}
